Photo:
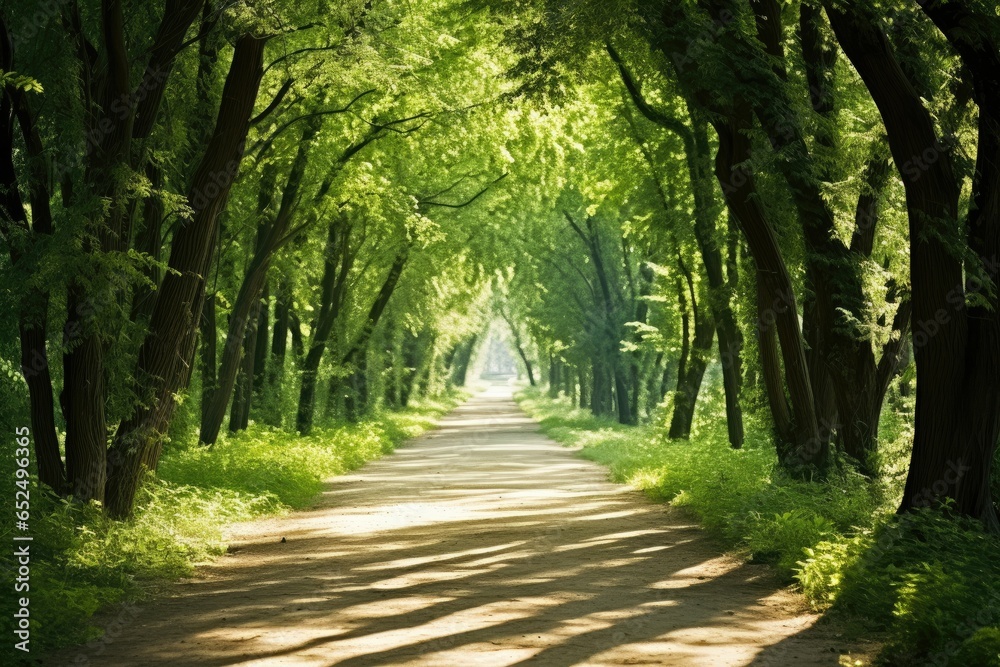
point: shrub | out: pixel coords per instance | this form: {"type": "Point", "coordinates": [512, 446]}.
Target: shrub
{"type": "Point", "coordinates": [982, 648]}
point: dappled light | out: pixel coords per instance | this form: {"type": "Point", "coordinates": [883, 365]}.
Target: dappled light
{"type": "Point", "coordinates": [481, 543]}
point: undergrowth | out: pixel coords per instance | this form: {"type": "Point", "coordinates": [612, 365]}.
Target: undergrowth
{"type": "Point", "coordinates": [929, 585]}
{"type": "Point", "coordinates": [82, 562]}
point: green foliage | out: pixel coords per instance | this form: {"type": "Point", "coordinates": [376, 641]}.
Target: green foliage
{"type": "Point", "coordinates": [982, 648]}
{"type": "Point", "coordinates": [20, 82]}
{"type": "Point", "coordinates": [928, 583]}
{"type": "Point", "coordinates": [926, 579]}
{"type": "Point", "coordinates": [267, 463]}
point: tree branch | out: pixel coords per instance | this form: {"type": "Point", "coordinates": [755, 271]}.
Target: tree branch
{"type": "Point", "coordinates": [476, 196]}
{"type": "Point", "coordinates": [178, 15]}
{"type": "Point", "coordinates": [265, 144]}
{"type": "Point", "coordinates": [576, 228]}
{"type": "Point", "coordinates": [285, 87]}
{"type": "Point", "coordinates": [672, 124]}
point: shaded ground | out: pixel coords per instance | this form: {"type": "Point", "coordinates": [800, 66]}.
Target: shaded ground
{"type": "Point", "coordinates": [481, 543]}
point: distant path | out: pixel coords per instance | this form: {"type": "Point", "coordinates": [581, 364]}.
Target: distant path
{"type": "Point", "coordinates": [481, 543]}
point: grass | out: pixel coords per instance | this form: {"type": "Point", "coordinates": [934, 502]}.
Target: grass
{"type": "Point", "coordinates": [81, 562]}
{"type": "Point", "coordinates": [927, 585]}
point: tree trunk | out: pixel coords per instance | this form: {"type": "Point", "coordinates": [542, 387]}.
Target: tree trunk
{"type": "Point", "coordinates": [33, 312]}
{"type": "Point", "coordinates": [622, 400]}
{"type": "Point", "coordinates": [356, 396]}
{"type": "Point", "coordinates": [601, 400]}
{"type": "Point", "coordinates": [262, 342]}
{"type": "Point", "coordinates": [460, 369]}
{"type": "Point", "coordinates": [166, 351]}
{"type": "Point", "coordinates": [307, 397]}
{"type": "Point", "coordinates": [35, 368]}
{"type": "Point", "coordinates": [209, 352]}
{"type": "Point", "coordinates": [956, 345]}
{"type": "Point", "coordinates": [719, 300]}
{"type": "Point", "coordinates": [689, 381]}
{"type": "Point", "coordinates": [270, 236]}
{"type": "Point", "coordinates": [682, 362]}
{"type": "Point", "coordinates": [671, 371]}
{"type": "Point", "coordinates": [82, 400]}
{"type": "Point", "coordinates": [569, 383]}
{"type": "Point", "coordinates": [519, 346]}
{"type": "Point", "coordinates": [150, 243]}
{"type": "Point", "coordinates": [799, 442]}
{"type": "Point", "coordinates": [698, 159]}
{"type": "Point", "coordinates": [554, 375]}
{"type": "Point", "coordinates": [410, 351]}
{"type": "Point", "coordinates": [956, 421]}
{"type": "Point", "coordinates": [527, 362]}
{"type": "Point", "coordinates": [689, 385]}
{"type": "Point", "coordinates": [298, 340]}
{"type": "Point", "coordinates": [360, 346]}
{"type": "Point", "coordinates": [279, 347]}
{"type": "Point", "coordinates": [279, 337]}
{"type": "Point", "coordinates": [797, 430]}
{"type": "Point", "coordinates": [239, 413]}
{"type": "Point", "coordinates": [336, 268]}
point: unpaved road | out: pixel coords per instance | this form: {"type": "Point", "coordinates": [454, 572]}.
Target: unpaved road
{"type": "Point", "coordinates": [481, 543]}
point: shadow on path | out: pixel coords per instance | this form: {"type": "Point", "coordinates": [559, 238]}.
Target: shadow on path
{"type": "Point", "coordinates": [481, 543]}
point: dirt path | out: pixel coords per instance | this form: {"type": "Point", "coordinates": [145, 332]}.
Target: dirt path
{"type": "Point", "coordinates": [481, 543]}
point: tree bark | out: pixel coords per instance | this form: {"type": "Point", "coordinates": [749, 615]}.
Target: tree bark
{"type": "Point", "coordinates": [239, 412]}
{"type": "Point", "coordinates": [262, 343]}
{"type": "Point", "coordinates": [689, 381]}
{"type": "Point", "coordinates": [799, 441]}
{"type": "Point", "coordinates": [555, 379]}
{"type": "Point", "coordinates": [33, 311]}
{"type": "Point", "coordinates": [270, 237]}
{"type": "Point", "coordinates": [956, 345]}
{"type": "Point", "coordinates": [616, 381]}
{"type": "Point", "coordinates": [463, 357]}
{"type": "Point", "coordinates": [936, 275]}
{"type": "Point", "coordinates": [337, 267]}
{"type": "Point", "coordinates": [208, 352]}
{"type": "Point", "coordinates": [279, 349]}
{"type": "Point", "coordinates": [167, 350]}
{"type": "Point", "coordinates": [601, 400]}
{"type": "Point", "coordinates": [521, 352]}
{"type": "Point", "coordinates": [698, 161]}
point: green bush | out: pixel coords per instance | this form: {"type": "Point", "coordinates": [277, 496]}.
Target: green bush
{"type": "Point", "coordinates": [263, 461]}
{"type": "Point", "coordinates": [982, 648]}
